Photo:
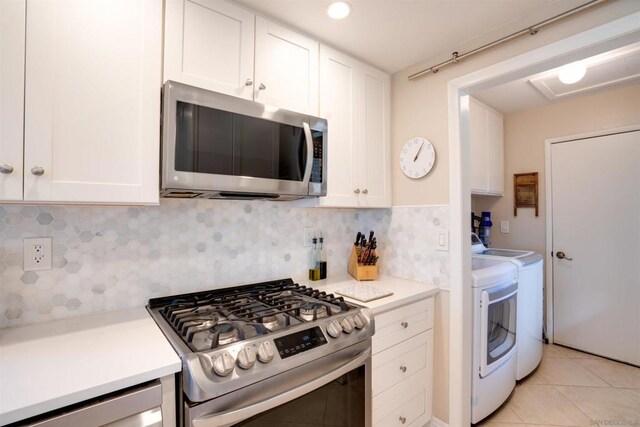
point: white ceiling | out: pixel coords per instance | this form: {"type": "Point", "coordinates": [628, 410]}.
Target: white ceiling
{"type": "Point", "coordinates": [394, 34]}
{"type": "Point", "coordinates": [615, 68]}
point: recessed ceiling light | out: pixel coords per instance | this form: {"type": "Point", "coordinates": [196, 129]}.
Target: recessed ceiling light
{"type": "Point", "coordinates": [572, 73]}
{"type": "Point", "coordinates": [339, 10]}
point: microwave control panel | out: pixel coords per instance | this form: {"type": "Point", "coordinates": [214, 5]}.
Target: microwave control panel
{"type": "Point", "coordinates": [316, 168]}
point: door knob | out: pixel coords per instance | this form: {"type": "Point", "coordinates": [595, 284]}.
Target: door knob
{"type": "Point", "coordinates": [37, 170]}
{"type": "Point", "coordinates": [262, 86]}
{"type": "Point", "coordinates": [5, 168]}
{"type": "Point", "coordinates": [249, 82]}
{"type": "Point", "coordinates": [562, 255]}
{"type": "Point", "coordinates": [404, 324]}
{"type": "Point", "coordinates": [403, 420]}
{"type": "Point", "coordinates": [365, 191]}
{"type": "Point", "coordinates": [403, 369]}
{"type": "Point", "coordinates": [357, 191]}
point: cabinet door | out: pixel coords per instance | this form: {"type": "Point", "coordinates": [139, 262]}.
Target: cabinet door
{"type": "Point", "coordinates": [209, 44]}
{"type": "Point", "coordinates": [92, 101]}
{"type": "Point", "coordinates": [479, 146]}
{"type": "Point", "coordinates": [375, 167]}
{"type": "Point", "coordinates": [338, 104]}
{"type": "Point", "coordinates": [495, 152]}
{"type": "Point", "coordinates": [286, 72]}
{"type": "Point", "coordinates": [12, 33]}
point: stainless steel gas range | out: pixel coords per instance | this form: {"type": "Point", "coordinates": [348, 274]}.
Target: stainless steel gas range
{"type": "Point", "coordinates": [269, 354]}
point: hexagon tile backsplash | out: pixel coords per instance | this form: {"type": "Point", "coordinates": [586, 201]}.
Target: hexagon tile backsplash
{"type": "Point", "coordinates": [107, 258]}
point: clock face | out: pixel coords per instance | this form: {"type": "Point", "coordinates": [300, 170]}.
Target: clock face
{"type": "Point", "coordinates": [417, 157]}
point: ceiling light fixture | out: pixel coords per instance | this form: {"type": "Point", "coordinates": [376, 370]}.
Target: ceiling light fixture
{"type": "Point", "coordinates": [339, 10]}
{"type": "Point", "coordinates": [572, 73]}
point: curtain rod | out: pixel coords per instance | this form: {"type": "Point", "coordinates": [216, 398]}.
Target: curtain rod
{"type": "Point", "coordinates": [531, 30]}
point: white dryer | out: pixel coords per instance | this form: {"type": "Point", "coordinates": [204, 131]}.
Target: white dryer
{"type": "Point", "coordinates": [495, 294]}
{"type": "Point", "coordinates": [530, 301]}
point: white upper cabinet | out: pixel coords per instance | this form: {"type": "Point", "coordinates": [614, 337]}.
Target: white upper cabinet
{"type": "Point", "coordinates": [374, 135]}
{"type": "Point", "coordinates": [354, 98]}
{"type": "Point", "coordinates": [210, 44]}
{"type": "Point", "coordinates": [92, 101]}
{"type": "Point", "coordinates": [339, 106]}
{"type": "Point", "coordinates": [487, 149]}
{"type": "Point", "coordinates": [12, 33]}
{"type": "Point", "coordinates": [286, 69]}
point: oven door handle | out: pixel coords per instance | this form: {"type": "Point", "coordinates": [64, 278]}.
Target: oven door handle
{"type": "Point", "coordinates": [229, 418]}
{"type": "Point", "coordinates": [307, 171]}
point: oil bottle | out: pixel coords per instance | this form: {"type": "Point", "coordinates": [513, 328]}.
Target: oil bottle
{"type": "Point", "coordinates": [314, 268]}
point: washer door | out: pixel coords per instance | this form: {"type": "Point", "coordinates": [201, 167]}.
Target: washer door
{"type": "Point", "coordinates": [498, 328]}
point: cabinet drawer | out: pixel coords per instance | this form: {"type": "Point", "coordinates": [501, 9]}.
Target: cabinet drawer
{"type": "Point", "coordinates": [407, 400]}
{"type": "Point", "coordinates": [398, 363]}
{"type": "Point", "coordinates": [400, 324]}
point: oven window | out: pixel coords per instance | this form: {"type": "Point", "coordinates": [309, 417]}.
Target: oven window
{"type": "Point", "coordinates": [501, 328]}
{"type": "Point", "coordinates": [339, 403]}
{"type": "Point", "coordinates": [219, 142]}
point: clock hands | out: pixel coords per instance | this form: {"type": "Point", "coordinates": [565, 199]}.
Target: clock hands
{"type": "Point", "coordinates": [418, 153]}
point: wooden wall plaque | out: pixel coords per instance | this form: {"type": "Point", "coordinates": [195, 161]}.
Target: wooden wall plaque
{"type": "Point", "coordinates": [525, 191]}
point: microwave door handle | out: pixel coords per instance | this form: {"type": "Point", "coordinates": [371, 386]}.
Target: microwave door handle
{"type": "Point", "coordinates": [236, 415]}
{"type": "Point", "coordinates": [307, 172]}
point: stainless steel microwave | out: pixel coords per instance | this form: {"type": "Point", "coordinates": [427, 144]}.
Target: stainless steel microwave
{"type": "Point", "coordinates": [219, 146]}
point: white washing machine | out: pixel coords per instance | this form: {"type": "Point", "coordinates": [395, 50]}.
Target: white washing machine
{"type": "Point", "coordinates": [530, 301]}
{"type": "Point", "coordinates": [495, 296]}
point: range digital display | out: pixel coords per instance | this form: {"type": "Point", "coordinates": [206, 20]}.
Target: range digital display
{"type": "Point", "coordinates": [300, 341]}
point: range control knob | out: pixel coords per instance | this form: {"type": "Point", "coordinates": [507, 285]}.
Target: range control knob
{"type": "Point", "coordinates": [223, 364]}
{"type": "Point", "coordinates": [347, 325]}
{"type": "Point", "coordinates": [246, 358]}
{"type": "Point", "coordinates": [334, 329]}
{"type": "Point", "coordinates": [359, 320]}
{"type": "Point", "coordinates": [265, 352]}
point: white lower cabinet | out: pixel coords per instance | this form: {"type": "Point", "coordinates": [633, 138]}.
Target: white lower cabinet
{"type": "Point", "coordinates": [402, 366]}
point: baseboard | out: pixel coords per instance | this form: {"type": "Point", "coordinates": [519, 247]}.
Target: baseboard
{"type": "Point", "coordinates": [437, 422]}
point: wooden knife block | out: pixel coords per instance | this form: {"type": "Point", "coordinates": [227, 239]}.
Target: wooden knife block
{"type": "Point", "coordinates": [361, 271]}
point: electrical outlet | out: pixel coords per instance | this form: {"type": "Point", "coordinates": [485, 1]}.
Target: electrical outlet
{"type": "Point", "coordinates": [37, 254]}
{"type": "Point", "coordinates": [504, 227]}
{"type": "Point", "coordinates": [308, 234]}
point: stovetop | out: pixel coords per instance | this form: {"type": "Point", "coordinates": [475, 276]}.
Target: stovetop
{"type": "Point", "coordinates": [214, 319]}
{"type": "Point", "coordinates": [230, 338]}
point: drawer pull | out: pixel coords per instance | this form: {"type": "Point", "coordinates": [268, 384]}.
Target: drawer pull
{"type": "Point", "coordinates": [403, 420]}
{"type": "Point", "coordinates": [404, 325]}
{"type": "Point", "coordinates": [403, 369]}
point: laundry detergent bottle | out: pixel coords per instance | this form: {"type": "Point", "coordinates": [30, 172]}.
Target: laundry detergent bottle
{"type": "Point", "coordinates": [485, 228]}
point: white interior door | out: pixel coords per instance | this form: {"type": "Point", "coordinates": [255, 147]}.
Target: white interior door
{"type": "Point", "coordinates": [595, 186]}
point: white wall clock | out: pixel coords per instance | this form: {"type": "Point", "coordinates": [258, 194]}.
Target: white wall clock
{"type": "Point", "coordinates": [417, 157]}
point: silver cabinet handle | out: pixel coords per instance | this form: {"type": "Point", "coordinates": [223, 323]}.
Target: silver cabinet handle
{"type": "Point", "coordinates": [37, 170]}
{"type": "Point", "coordinates": [562, 255]}
{"type": "Point", "coordinates": [357, 191]}
{"type": "Point", "coordinates": [249, 82]}
{"type": "Point", "coordinates": [403, 420]}
{"type": "Point", "coordinates": [365, 191]}
{"type": "Point", "coordinates": [403, 369]}
{"type": "Point", "coordinates": [404, 325]}
{"type": "Point", "coordinates": [5, 168]}
{"type": "Point", "coordinates": [262, 86]}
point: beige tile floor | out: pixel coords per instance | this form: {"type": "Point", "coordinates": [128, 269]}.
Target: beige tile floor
{"type": "Point", "coordinates": [571, 388]}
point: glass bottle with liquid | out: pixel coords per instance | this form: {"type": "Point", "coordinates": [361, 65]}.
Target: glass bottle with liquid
{"type": "Point", "coordinates": [314, 268]}
{"type": "Point", "coordinates": [322, 259]}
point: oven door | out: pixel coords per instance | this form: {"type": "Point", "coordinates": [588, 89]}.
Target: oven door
{"type": "Point", "coordinates": [498, 326]}
{"type": "Point", "coordinates": [218, 143]}
{"type": "Point", "coordinates": [333, 390]}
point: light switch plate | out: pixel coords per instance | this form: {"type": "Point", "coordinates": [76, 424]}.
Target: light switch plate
{"type": "Point", "coordinates": [37, 254]}
{"type": "Point", "coordinates": [504, 227]}
{"type": "Point", "coordinates": [442, 239]}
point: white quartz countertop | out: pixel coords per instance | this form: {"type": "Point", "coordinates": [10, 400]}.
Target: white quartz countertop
{"type": "Point", "coordinates": [47, 366]}
{"type": "Point", "coordinates": [404, 291]}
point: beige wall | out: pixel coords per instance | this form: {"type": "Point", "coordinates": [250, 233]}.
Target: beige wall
{"type": "Point", "coordinates": [525, 133]}
{"type": "Point", "coordinates": [441, 357]}
{"type": "Point", "coordinates": [419, 108]}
